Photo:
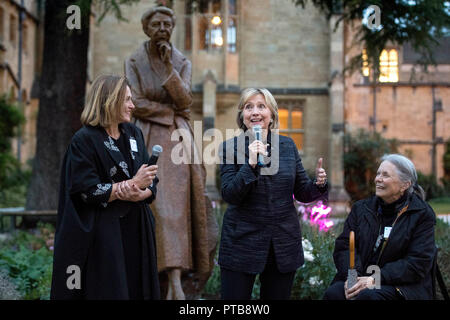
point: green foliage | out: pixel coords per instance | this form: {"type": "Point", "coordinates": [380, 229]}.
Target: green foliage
{"type": "Point", "coordinates": [104, 7]}
{"type": "Point", "coordinates": [30, 269]}
{"type": "Point", "coordinates": [440, 205]}
{"type": "Point", "coordinates": [314, 277]}
{"type": "Point", "coordinates": [421, 23]}
{"type": "Point", "coordinates": [446, 165]}
{"type": "Point", "coordinates": [29, 262]}
{"type": "Point", "coordinates": [430, 186]}
{"type": "Point", "coordinates": [362, 154]}
{"type": "Point", "coordinates": [13, 179]}
{"type": "Point", "coordinates": [321, 269]}
{"type": "Point", "coordinates": [212, 286]}
{"type": "Point", "coordinates": [11, 118]}
{"type": "Point", "coordinates": [442, 236]}
{"type": "Point", "coordinates": [14, 191]}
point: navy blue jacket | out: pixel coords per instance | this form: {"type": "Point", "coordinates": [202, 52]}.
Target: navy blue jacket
{"type": "Point", "coordinates": [406, 262]}
{"type": "Point", "coordinates": [261, 210]}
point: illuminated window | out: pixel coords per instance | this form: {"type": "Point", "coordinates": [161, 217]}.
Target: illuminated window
{"type": "Point", "coordinates": [290, 115]}
{"type": "Point", "coordinates": [231, 35]}
{"type": "Point", "coordinates": [389, 66]}
{"type": "Point", "coordinates": [365, 64]}
{"type": "Point", "coordinates": [232, 23]}
{"type": "Point", "coordinates": [211, 26]}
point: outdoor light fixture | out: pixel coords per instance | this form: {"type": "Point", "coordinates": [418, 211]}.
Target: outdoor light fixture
{"type": "Point", "coordinates": [218, 41]}
{"type": "Point", "coordinates": [216, 20]}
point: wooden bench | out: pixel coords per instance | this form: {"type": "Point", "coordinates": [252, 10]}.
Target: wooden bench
{"type": "Point", "coordinates": [13, 213]}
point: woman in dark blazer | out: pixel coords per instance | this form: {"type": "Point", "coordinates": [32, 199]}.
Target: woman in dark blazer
{"type": "Point", "coordinates": [261, 231]}
{"type": "Point", "coordinates": [394, 234]}
{"type": "Point", "coordinates": [105, 243]}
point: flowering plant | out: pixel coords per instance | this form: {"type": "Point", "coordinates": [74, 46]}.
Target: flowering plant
{"type": "Point", "coordinates": [319, 234]}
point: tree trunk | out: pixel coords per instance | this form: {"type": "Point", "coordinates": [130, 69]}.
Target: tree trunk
{"type": "Point", "coordinates": [61, 98]}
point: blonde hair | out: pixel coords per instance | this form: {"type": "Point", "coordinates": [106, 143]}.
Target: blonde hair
{"type": "Point", "coordinates": [270, 101]}
{"type": "Point", "coordinates": [104, 101]}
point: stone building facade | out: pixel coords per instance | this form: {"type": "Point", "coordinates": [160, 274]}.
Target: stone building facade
{"type": "Point", "coordinates": [253, 43]}
{"type": "Point", "coordinates": [406, 103]}
{"type": "Point", "coordinates": [11, 80]}
{"type": "Point", "coordinates": [235, 44]}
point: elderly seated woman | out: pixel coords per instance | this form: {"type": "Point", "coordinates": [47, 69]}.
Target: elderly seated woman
{"type": "Point", "coordinates": [394, 230]}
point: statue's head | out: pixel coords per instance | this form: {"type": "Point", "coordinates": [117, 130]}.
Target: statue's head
{"type": "Point", "coordinates": [158, 23]}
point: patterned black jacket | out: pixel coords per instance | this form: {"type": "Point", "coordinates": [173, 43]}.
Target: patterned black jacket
{"type": "Point", "coordinates": [261, 207]}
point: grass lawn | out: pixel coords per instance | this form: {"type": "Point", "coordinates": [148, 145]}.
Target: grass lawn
{"type": "Point", "coordinates": [440, 205]}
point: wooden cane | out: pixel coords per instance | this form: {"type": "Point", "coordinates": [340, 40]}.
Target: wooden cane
{"type": "Point", "coordinates": [352, 250]}
{"type": "Point", "coordinates": [352, 276]}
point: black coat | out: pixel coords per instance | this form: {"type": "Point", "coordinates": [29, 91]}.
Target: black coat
{"type": "Point", "coordinates": [261, 210]}
{"type": "Point", "coordinates": [407, 259]}
{"type": "Point", "coordinates": [88, 232]}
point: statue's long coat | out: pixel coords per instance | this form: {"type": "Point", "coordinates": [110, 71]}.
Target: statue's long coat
{"type": "Point", "coordinates": [186, 230]}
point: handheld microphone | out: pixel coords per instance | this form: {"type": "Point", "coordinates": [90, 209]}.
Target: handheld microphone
{"type": "Point", "coordinates": [258, 136]}
{"type": "Point", "coordinates": [156, 150]}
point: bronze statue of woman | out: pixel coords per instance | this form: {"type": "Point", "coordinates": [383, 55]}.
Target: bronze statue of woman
{"type": "Point", "coordinates": [186, 230]}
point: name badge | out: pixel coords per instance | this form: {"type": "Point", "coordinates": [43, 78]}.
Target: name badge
{"type": "Point", "coordinates": [133, 145]}
{"type": "Point", "coordinates": [387, 232]}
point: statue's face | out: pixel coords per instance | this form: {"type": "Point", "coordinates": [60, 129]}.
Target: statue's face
{"type": "Point", "coordinates": [160, 27]}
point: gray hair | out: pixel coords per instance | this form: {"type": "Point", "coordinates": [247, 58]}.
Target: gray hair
{"type": "Point", "coordinates": [406, 172]}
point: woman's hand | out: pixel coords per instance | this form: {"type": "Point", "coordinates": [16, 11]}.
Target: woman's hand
{"type": "Point", "coordinates": [165, 52]}
{"type": "Point", "coordinates": [321, 175]}
{"type": "Point", "coordinates": [363, 283]}
{"type": "Point", "coordinates": [127, 191]}
{"type": "Point", "coordinates": [255, 148]}
{"type": "Point", "coordinates": [145, 176]}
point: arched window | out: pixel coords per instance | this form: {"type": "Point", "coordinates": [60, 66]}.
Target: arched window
{"type": "Point", "coordinates": [212, 23]}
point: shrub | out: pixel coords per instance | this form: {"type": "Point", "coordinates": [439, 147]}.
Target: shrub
{"type": "Point", "coordinates": [311, 280]}
{"type": "Point", "coordinates": [211, 290]}
{"type": "Point", "coordinates": [362, 154]}
{"type": "Point", "coordinates": [442, 235]}
{"type": "Point", "coordinates": [28, 262]}
{"type": "Point", "coordinates": [10, 119]}
{"type": "Point", "coordinates": [430, 186]}
{"type": "Point", "coordinates": [446, 162]}
{"type": "Point", "coordinates": [314, 277]}
{"type": "Point", "coordinates": [13, 180]}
